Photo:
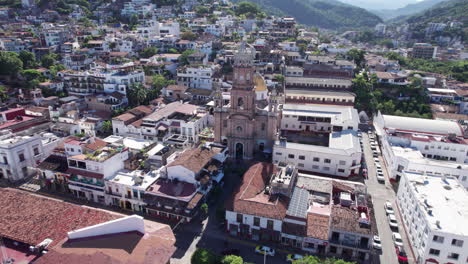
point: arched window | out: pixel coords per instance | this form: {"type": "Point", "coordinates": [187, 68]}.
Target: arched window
{"type": "Point", "coordinates": [263, 126]}
{"type": "Point", "coordinates": [240, 101]}
{"type": "Point", "coordinates": [239, 129]}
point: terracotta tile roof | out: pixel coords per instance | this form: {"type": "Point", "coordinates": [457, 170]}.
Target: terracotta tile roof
{"type": "Point", "coordinates": [195, 200]}
{"type": "Point", "coordinates": [125, 117]}
{"type": "Point", "coordinates": [294, 229]}
{"type": "Point", "coordinates": [250, 197]}
{"type": "Point", "coordinates": [318, 226]}
{"type": "Point", "coordinates": [155, 246]}
{"type": "Point", "coordinates": [96, 145]}
{"type": "Point", "coordinates": [193, 159]}
{"type": "Point", "coordinates": [174, 87]}
{"type": "Point", "coordinates": [347, 219]}
{"type": "Point", "coordinates": [30, 218]}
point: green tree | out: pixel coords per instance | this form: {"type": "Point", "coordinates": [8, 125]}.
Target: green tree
{"type": "Point", "coordinates": [203, 256]}
{"type": "Point", "coordinates": [202, 10]}
{"type": "Point", "coordinates": [159, 82]}
{"type": "Point", "coordinates": [56, 68]}
{"type": "Point", "coordinates": [3, 93]}
{"type": "Point", "coordinates": [183, 59]}
{"type": "Point", "coordinates": [307, 260]}
{"type": "Point", "coordinates": [357, 56]}
{"type": "Point", "coordinates": [248, 9]}
{"type": "Point", "coordinates": [48, 60]}
{"type": "Point", "coordinates": [107, 127]}
{"type": "Point", "coordinates": [188, 35]}
{"type": "Point", "coordinates": [232, 259]}
{"type": "Point", "coordinates": [137, 94]}
{"type": "Point", "coordinates": [10, 63]}
{"type": "Point", "coordinates": [204, 208]}
{"type": "Point", "coordinates": [149, 52]}
{"type": "Point", "coordinates": [28, 59]}
{"type": "Point", "coordinates": [279, 78]}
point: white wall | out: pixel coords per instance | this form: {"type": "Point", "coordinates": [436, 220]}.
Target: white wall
{"type": "Point", "coordinates": [231, 218]}
{"type": "Point", "coordinates": [125, 224]}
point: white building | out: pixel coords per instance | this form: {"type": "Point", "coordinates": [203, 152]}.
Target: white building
{"type": "Point", "coordinates": [18, 155]}
{"type": "Point", "coordinates": [434, 213]}
{"type": "Point", "coordinates": [321, 139]}
{"type": "Point", "coordinates": [126, 188]}
{"type": "Point", "coordinates": [198, 77]}
{"type": "Point", "coordinates": [431, 146]}
{"type": "Point", "coordinates": [90, 162]}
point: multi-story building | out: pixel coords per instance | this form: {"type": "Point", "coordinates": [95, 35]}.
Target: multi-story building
{"type": "Point", "coordinates": [90, 162]}
{"type": "Point", "coordinates": [175, 121]}
{"type": "Point", "coordinates": [184, 183]}
{"type": "Point", "coordinates": [300, 96]}
{"type": "Point", "coordinates": [424, 51]}
{"type": "Point", "coordinates": [198, 77]}
{"type": "Point", "coordinates": [320, 139]}
{"type": "Point", "coordinates": [19, 155]}
{"type": "Point", "coordinates": [315, 214]}
{"type": "Point", "coordinates": [435, 147]}
{"type": "Point", "coordinates": [126, 189]}
{"type": "Point", "coordinates": [113, 79]}
{"type": "Point", "coordinates": [434, 213]}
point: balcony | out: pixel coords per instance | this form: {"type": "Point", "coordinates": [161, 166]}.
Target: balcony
{"type": "Point", "coordinates": [86, 181]}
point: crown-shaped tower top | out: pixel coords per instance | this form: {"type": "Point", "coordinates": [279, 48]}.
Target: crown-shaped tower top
{"type": "Point", "coordinates": [245, 55]}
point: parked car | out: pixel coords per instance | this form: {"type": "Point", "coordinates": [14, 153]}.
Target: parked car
{"type": "Point", "coordinates": [401, 255]}
{"type": "Point", "coordinates": [397, 239]}
{"type": "Point", "coordinates": [264, 250]}
{"type": "Point", "coordinates": [380, 178]}
{"type": "Point", "coordinates": [293, 257]}
{"type": "Point", "coordinates": [376, 160]}
{"type": "Point", "coordinates": [231, 251]}
{"type": "Point", "coordinates": [392, 221]}
{"type": "Point", "coordinates": [378, 166]}
{"type": "Point", "coordinates": [377, 243]}
{"type": "Point", "coordinates": [388, 208]}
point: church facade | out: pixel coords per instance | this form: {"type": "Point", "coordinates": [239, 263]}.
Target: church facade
{"type": "Point", "coordinates": [245, 125]}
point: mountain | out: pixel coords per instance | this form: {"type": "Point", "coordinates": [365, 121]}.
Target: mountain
{"type": "Point", "coordinates": [447, 11]}
{"type": "Point", "coordinates": [329, 14]}
{"type": "Point", "coordinates": [409, 9]}
{"type": "Point", "coordinates": [380, 4]}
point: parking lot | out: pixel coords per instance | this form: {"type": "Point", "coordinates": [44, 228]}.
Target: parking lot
{"type": "Point", "coordinates": [382, 192]}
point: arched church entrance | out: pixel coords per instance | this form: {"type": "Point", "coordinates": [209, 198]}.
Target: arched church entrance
{"type": "Point", "coordinates": [239, 151]}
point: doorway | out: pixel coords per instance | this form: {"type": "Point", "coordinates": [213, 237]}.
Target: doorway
{"type": "Point", "coordinates": [239, 151]}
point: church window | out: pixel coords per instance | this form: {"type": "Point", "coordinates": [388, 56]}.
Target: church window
{"type": "Point", "coordinates": [239, 129]}
{"type": "Point", "coordinates": [240, 102]}
{"type": "Point", "coordinates": [224, 123]}
{"type": "Point", "coordinates": [263, 126]}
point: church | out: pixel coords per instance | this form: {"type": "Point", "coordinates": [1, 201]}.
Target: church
{"type": "Point", "coordinates": [247, 125]}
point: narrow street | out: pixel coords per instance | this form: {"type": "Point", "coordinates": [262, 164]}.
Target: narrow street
{"type": "Point", "coordinates": [380, 194]}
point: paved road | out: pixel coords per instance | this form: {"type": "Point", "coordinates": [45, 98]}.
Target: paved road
{"type": "Point", "coordinates": [381, 193]}
{"type": "Point", "coordinates": [209, 234]}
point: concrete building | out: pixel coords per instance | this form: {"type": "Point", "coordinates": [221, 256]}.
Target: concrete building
{"type": "Point", "coordinates": [424, 51]}
{"type": "Point", "coordinates": [299, 211]}
{"type": "Point", "coordinates": [18, 156]}
{"type": "Point", "coordinates": [434, 213]}
{"type": "Point", "coordinates": [198, 77]}
{"type": "Point", "coordinates": [434, 147]}
{"type": "Point", "coordinates": [320, 139]}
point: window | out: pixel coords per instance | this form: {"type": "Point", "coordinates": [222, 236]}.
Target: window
{"type": "Point", "coordinates": [240, 102]}
{"type": "Point", "coordinates": [342, 162]}
{"type": "Point", "coordinates": [301, 157]}
{"type": "Point", "coordinates": [279, 153]}
{"type": "Point", "coordinates": [36, 151]}
{"type": "Point", "coordinates": [326, 168]}
{"type": "Point", "coordinates": [224, 123]}
{"type": "Point", "coordinates": [263, 126]}
{"type": "Point", "coordinates": [270, 224]}
{"type": "Point", "coordinates": [453, 256]}
{"type": "Point", "coordinates": [239, 218]}
{"type": "Point", "coordinates": [315, 167]}
{"type": "Point", "coordinates": [434, 252]}
{"type": "Point", "coordinates": [256, 221]}
{"type": "Point", "coordinates": [341, 170]}
{"type": "Point", "coordinates": [438, 239]}
{"type": "Point", "coordinates": [333, 249]}
{"type": "Point", "coordinates": [327, 161]}
{"type": "Point", "coordinates": [239, 129]}
{"type": "Point", "coordinates": [21, 156]}
{"type": "Point", "coordinates": [300, 165]}
{"type": "Point", "coordinates": [291, 156]}
{"type": "Point", "coordinates": [316, 159]}
{"type": "Point", "coordinates": [456, 242]}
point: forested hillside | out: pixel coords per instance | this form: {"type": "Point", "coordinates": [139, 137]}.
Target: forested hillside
{"type": "Point", "coordinates": [328, 14]}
